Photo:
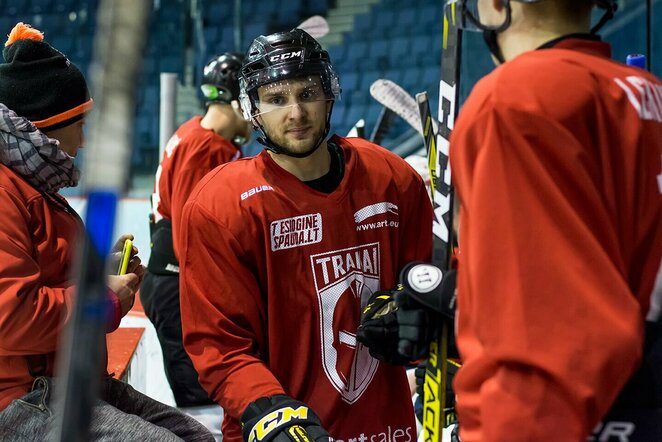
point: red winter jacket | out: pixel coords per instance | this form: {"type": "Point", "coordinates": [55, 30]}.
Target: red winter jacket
{"type": "Point", "coordinates": [38, 235]}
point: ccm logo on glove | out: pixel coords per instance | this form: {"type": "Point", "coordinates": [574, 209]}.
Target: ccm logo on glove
{"type": "Point", "coordinates": [281, 419]}
{"type": "Point", "coordinates": [276, 419]}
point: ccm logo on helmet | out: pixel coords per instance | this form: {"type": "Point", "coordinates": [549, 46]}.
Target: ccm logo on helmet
{"type": "Point", "coordinates": [274, 420]}
{"type": "Point", "coordinates": [286, 56]}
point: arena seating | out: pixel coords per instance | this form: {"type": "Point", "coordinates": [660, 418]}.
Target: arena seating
{"type": "Point", "coordinates": [397, 40]}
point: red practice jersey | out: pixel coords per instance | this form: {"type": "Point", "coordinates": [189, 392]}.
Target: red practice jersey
{"type": "Point", "coordinates": [189, 155]}
{"type": "Point", "coordinates": [274, 276]}
{"type": "Point", "coordinates": [557, 157]}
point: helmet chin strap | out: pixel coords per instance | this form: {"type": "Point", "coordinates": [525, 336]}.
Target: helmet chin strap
{"type": "Point", "coordinates": [490, 38]}
{"type": "Point", "coordinates": [275, 148]}
{"type": "Point", "coordinates": [490, 35]}
{"type": "Point", "coordinates": [608, 15]}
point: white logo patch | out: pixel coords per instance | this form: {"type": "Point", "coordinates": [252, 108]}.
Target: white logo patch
{"type": "Point", "coordinates": [286, 56]}
{"type": "Point", "coordinates": [648, 102]}
{"type": "Point", "coordinates": [296, 232]}
{"type": "Point", "coordinates": [373, 210]}
{"type": "Point", "coordinates": [344, 280]}
{"type": "Point", "coordinates": [389, 210]}
{"type": "Point", "coordinates": [424, 278]}
{"type": "Point", "coordinates": [255, 190]}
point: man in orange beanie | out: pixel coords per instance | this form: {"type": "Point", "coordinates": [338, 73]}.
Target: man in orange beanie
{"type": "Point", "coordinates": [43, 99]}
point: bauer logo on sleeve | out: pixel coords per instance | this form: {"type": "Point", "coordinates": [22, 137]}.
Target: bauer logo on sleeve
{"type": "Point", "coordinates": [296, 232]}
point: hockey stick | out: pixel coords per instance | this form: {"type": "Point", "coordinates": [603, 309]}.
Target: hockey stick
{"type": "Point", "coordinates": [395, 98]}
{"type": "Point", "coordinates": [436, 374]}
{"type": "Point", "coordinates": [358, 130]}
{"type": "Point", "coordinates": [117, 58]}
{"type": "Point", "coordinates": [383, 125]}
{"type": "Point", "coordinates": [435, 414]}
{"type": "Point", "coordinates": [316, 26]}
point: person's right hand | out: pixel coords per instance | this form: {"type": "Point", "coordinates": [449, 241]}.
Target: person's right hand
{"type": "Point", "coordinates": [280, 418]}
{"type": "Point", "coordinates": [125, 287]}
{"type": "Point", "coordinates": [428, 297]}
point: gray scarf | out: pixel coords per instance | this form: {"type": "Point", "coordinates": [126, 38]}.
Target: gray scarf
{"type": "Point", "coordinates": [34, 156]}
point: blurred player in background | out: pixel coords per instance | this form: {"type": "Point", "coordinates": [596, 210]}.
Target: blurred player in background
{"type": "Point", "coordinates": [198, 146]}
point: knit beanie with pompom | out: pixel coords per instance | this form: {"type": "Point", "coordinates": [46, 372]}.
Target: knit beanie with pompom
{"type": "Point", "coordinates": [39, 83]}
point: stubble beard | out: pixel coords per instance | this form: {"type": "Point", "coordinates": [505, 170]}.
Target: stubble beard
{"type": "Point", "coordinates": [299, 147]}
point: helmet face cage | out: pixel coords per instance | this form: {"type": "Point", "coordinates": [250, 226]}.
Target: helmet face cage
{"type": "Point", "coordinates": [249, 86]}
{"type": "Point", "coordinates": [220, 81]}
{"type": "Point", "coordinates": [285, 94]}
{"type": "Point", "coordinates": [283, 56]}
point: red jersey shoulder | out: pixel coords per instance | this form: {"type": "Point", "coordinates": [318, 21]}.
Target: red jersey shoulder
{"type": "Point", "coordinates": [549, 80]}
{"type": "Point", "coordinates": [376, 160]}
{"type": "Point", "coordinates": [193, 134]}
{"type": "Point", "coordinates": [555, 82]}
{"type": "Point", "coordinates": [231, 183]}
{"type": "Point", "coordinates": [190, 125]}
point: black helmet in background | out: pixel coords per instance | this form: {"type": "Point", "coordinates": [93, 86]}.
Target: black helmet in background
{"type": "Point", "coordinates": [220, 78]}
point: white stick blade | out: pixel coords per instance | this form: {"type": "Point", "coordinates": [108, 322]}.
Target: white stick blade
{"type": "Point", "coordinates": [316, 26]}
{"type": "Point", "coordinates": [354, 131]}
{"type": "Point", "coordinates": [398, 100]}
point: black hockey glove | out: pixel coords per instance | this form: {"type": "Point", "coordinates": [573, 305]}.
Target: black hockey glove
{"type": "Point", "coordinates": [426, 297]}
{"type": "Point", "coordinates": [378, 328]}
{"type": "Point", "coordinates": [281, 419]}
{"type": "Point", "coordinates": [398, 325]}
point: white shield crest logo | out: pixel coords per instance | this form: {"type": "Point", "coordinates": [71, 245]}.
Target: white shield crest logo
{"type": "Point", "coordinates": [344, 280]}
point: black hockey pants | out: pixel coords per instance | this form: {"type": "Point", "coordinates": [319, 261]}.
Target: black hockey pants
{"type": "Point", "coordinates": [159, 295]}
{"type": "Point", "coordinates": [637, 414]}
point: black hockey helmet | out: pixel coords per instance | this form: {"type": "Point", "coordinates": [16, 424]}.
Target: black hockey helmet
{"type": "Point", "coordinates": [220, 78]}
{"type": "Point", "coordinates": [282, 56]}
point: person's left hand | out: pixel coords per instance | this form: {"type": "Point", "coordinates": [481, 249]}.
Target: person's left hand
{"type": "Point", "coordinates": [378, 327]}
{"type": "Point", "coordinates": [135, 264]}
{"type": "Point", "coordinates": [398, 325]}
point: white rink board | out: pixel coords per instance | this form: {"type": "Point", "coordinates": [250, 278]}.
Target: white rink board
{"type": "Point", "coordinates": [132, 217]}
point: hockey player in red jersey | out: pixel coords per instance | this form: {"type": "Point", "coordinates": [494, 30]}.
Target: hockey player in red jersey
{"type": "Point", "coordinates": [198, 146]}
{"type": "Point", "coordinates": [557, 159]}
{"type": "Point", "coordinates": [279, 253]}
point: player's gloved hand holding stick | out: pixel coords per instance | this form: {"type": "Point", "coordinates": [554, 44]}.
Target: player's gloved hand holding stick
{"type": "Point", "coordinates": [379, 329]}
{"type": "Point", "coordinates": [398, 325]}
{"type": "Point", "coordinates": [281, 419]}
